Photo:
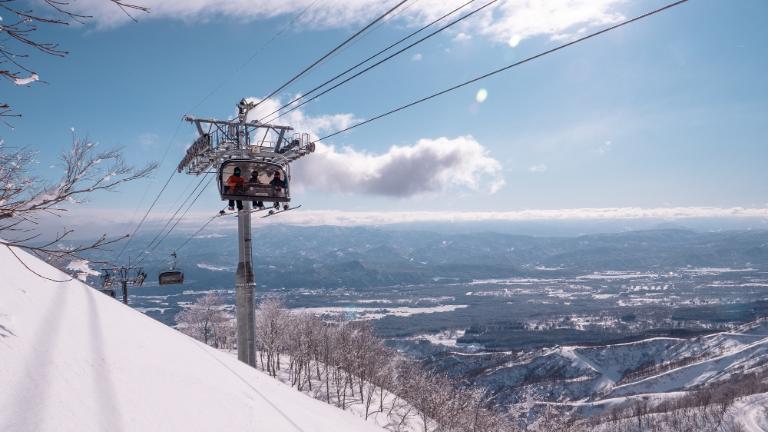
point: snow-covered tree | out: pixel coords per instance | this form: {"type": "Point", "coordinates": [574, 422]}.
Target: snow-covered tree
{"type": "Point", "coordinates": [206, 321]}
{"type": "Point", "coordinates": [25, 197]}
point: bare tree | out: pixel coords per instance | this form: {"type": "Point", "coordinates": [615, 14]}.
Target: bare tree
{"type": "Point", "coordinates": [205, 321]}
{"type": "Point", "coordinates": [20, 25]}
{"type": "Point", "coordinates": [271, 322]}
{"type": "Point", "coordinates": [25, 198]}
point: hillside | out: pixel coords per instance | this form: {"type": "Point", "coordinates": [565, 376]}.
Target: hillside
{"type": "Point", "coordinates": [74, 359]}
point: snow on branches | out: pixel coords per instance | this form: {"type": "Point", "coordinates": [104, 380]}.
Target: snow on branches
{"type": "Point", "coordinates": [25, 197]}
{"type": "Point", "coordinates": [345, 364]}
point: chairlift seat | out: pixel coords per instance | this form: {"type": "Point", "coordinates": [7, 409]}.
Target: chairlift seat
{"type": "Point", "coordinates": [259, 188]}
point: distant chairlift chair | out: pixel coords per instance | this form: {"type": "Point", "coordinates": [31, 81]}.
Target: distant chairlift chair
{"type": "Point", "coordinates": [172, 276]}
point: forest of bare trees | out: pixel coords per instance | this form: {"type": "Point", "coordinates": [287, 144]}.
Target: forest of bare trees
{"type": "Point", "coordinates": [344, 364]}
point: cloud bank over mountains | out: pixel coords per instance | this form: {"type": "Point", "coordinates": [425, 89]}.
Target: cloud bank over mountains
{"type": "Point", "coordinates": [508, 21]}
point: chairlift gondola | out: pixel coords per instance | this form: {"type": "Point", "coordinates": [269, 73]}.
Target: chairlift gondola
{"type": "Point", "coordinates": [172, 276]}
{"type": "Point", "coordinates": [252, 180]}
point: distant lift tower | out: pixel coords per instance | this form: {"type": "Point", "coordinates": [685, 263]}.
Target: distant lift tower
{"type": "Point", "coordinates": [251, 161]}
{"type": "Point", "coordinates": [124, 276]}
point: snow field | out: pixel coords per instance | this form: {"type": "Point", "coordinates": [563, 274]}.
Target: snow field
{"type": "Point", "coordinates": [75, 359]}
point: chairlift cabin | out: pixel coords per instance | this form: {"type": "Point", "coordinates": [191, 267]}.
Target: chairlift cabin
{"type": "Point", "coordinates": [251, 180]}
{"type": "Point", "coordinates": [172, 276]}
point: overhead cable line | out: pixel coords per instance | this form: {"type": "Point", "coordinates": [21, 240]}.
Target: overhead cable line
{"type": "Point", "coordinates": [157, 198]}
{"type": "Point", "coordinates": [398, 42]}
{"type": "Point", "coordinates": [165, 235]}
{"type": "Point", "coordinates": [372, 30]}
{"type": "Point", "coordinates": [502, 69]}
{"type": "Point", "coordinates": [173, 216]}
{"type": "Point", "coordinates": [198, 231]}
{"type": "Point", "coordinates": [330, 53]}
{"type": "Point", "coordinates": [258, 51]}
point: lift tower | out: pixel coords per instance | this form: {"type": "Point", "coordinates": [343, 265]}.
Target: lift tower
{"type": "Point", "coordinates": [125, 276]}
{"type": "Point", "coordinates": [223, 145]}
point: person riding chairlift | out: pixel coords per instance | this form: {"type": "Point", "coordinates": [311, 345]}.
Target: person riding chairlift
{"type": "Point", "coordinates": [233, 184]}
{"type": "Point", "coordinates": [254, 181]}
{"type": "Point", "coordinates": [277, 185]}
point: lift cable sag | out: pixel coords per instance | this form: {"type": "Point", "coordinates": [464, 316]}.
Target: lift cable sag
{"type": "Point", "coordinates": [173, 216]}
{"type": "Point", "coordinates": [164, 234]}
{"type": "Point", "coordinates": [497, 71]}
{"type": "Point", "coordinates": [328, 54]}
{"type": "Point", "coordinates": [183, 215]}
{"type": "Point", "coordinates": [312, 91]}
{"type": "Point", "coordinates": [199, 230]}
{"type": "Point", "coordinates": [144, 218]}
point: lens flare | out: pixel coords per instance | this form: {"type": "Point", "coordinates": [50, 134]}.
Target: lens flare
{"type": "Point", "coordinates": [481, 95]}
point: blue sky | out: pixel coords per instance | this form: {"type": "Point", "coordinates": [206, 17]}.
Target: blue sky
{"type": "Point", "coordinates": [668, 112]}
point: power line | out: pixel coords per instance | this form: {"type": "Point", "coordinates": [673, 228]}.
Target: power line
{"type": "Point", "coordinates": [398, 42]}
{"type": "Point", "coordinates": [497, 71]}
{"type": "Point", "coordinates": [328, 54]}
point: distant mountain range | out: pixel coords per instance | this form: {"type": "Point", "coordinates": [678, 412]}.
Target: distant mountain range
{"type": "Point", "coordinates": [360, 257]}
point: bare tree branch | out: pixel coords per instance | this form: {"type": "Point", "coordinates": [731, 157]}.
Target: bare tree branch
{"type": "Point", "coordinates": [36, 273]}
{"type": "Point", "coordinates": [20, 26]}
{"type": "Point", "coordinates": [24, 197]}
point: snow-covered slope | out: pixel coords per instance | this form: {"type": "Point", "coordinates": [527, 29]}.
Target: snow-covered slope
{"type": "Point", "coordinates": [73, 359]}
{"type": "Point", "coordinates": [739, 360]}
{"type": "Point", "coordinates": [752, 413]}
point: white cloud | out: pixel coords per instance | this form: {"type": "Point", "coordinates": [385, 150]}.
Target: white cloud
{"type": "Point", "coordinates": [429, 166]}
{"type": "Point", "coordinates": [604, 148]}
{"type": "Point", "coordinates": [148, 139]}
{"type": "Point", "coordinates": [540, 168]}
{"type": "Point", "coordinates": [462, 37]}
{"type": "Point", "coordinates": [514, 41]}
{"type": "Point", "coordinates": [299, 121]}
{"type": "Point", "coordinates": [502, 23]}
{"type": "Point", "coordinates": [417, 57]}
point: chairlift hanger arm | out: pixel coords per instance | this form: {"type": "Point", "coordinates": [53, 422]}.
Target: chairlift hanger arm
{"type": "Point", "coordinates": [253, 123]}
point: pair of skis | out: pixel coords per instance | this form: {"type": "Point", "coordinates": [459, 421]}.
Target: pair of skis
{"type": "Point", "coordinates": [271, 211]}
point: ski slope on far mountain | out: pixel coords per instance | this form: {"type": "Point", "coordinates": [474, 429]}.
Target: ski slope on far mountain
{"type": "Point", "coordinates": [74, 359]}
{"type": "Point", "coordinates": [741, 360]}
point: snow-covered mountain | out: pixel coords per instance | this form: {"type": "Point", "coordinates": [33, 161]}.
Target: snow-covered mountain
{"type": "Point", "coordinates": [727, 368]}
{"type": "Point", "coordinates": [73, 359]}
